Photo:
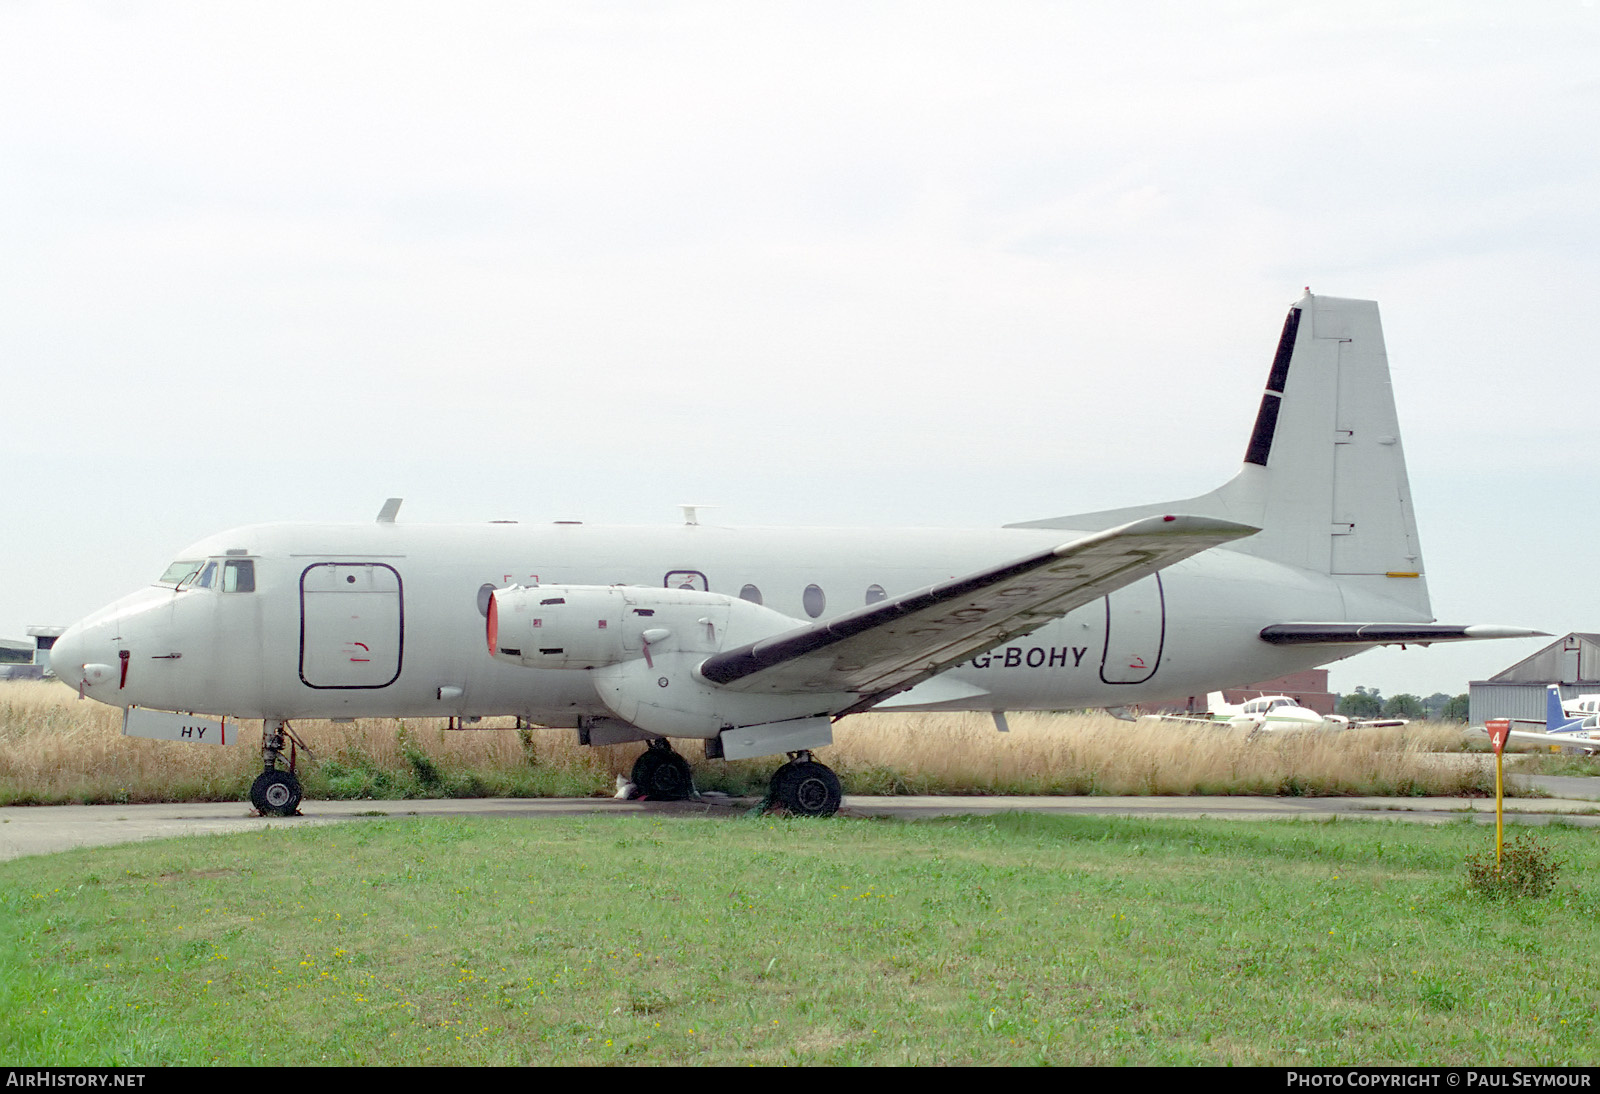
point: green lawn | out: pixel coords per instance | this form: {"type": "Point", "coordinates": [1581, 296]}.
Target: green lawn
{"type": "Point", "coordinates": [996, 940]}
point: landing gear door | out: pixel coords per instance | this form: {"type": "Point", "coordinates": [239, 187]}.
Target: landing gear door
{"type": "Point", "coordinates": [1136, 627]}
{"type": "Point", "coordinates": [352, 625]}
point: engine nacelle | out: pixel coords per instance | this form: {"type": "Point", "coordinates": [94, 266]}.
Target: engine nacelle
{"type": "Point", "coordinates": [557, 626]}
{"type": "Point", "coordinates": [592, 626]}
{"type": "Point", "coordinates": [644, 645]}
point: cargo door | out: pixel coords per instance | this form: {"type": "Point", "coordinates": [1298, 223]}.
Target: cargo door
{"type": "Point", "coordinates": [352, 625]}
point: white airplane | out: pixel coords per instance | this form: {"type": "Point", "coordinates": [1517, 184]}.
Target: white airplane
{"type": "Point", "coordinates": [1562, 728]}
{"type": "Point", "coordinates": [1582, 706]}
{"type": "Point", "coordinates": [1269, 712]}
{"type": "Point", "coordinates": [1272, 712]}
{"type": "Point", "coordinates": [755, 640]}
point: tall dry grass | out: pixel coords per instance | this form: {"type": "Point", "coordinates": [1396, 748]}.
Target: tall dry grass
{"type": "Point", "coordinates": [1094, 753]}
{"type": "Point", "coordinates": [56, 748]}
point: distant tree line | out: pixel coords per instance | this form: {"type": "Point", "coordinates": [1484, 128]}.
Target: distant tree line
{"type": "Point", "coordinates": [1370, 703]}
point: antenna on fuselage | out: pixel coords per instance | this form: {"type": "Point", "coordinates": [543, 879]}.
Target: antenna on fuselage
{"type": "Point", "coordinates": [390, 508]}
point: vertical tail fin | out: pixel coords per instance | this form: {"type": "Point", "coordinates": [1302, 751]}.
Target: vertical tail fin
{"type": "Point", "coordinates": [1555, 719]}
{"type": "Point", "coordinates": [1324, 473]}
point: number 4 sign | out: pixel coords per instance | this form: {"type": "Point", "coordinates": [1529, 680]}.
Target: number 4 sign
{"type": "Point", "coordinates": [1499, 730]}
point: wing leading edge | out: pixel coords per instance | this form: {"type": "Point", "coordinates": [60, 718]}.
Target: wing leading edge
{"type": "Point", "coordinates": [887, 647]}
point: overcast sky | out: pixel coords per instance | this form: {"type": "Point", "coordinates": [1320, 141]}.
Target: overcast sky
{"type": "Point", "coordinates": [949, 264]}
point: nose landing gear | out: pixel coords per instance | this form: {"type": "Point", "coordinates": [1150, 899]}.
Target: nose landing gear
{"type": "Point", "coordinates": [276, 793]}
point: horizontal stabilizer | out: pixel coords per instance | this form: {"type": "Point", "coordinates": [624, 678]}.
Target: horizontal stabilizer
{"type": "Point", "coordinates": [1386, 634]}
{"type": "Point", "coordinates": [895, 644]}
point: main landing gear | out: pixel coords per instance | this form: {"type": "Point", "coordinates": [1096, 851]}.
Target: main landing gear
{"type": "Point", "coordinates": [805, 788]}
{"type": "Point", "coordinates": [661, 775]}
{"type": "Point", "coordinates": [275, 793]}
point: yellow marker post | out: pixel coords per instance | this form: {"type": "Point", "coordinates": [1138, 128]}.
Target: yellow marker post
{"type": "Point", "coordinates": [1499, 731]}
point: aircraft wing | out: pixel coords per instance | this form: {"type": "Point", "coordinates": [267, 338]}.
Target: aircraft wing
{"type": "Point", "coordinates": [1580, 739]}
{"type": "Point", "coordinates": [887, 647]}
{"type": "Point", "coordinates": [1188, 720]}
{"type": "Point", "coordinates": [1565, 740]}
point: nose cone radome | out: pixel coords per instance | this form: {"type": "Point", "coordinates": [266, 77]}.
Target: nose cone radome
{"type": "Point", "coordinates": [87, 660]}
{"type": "Point", "coordinates": [66, 656]}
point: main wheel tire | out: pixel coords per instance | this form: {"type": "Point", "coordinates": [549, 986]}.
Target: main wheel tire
{"type": "Point", "coordinates": [276, 794]}
{"type": "Point", "coordinates": [776, 784]}
{"type": "Point", "coordinates": [662, 775]}
{"type": "Point", "coordinates": [807, 789]}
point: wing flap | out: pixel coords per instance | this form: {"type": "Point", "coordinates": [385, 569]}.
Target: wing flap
{"type": "Point", "coordinates": [894, 644]}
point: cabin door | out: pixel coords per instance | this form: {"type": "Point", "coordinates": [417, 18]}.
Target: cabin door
{"type": "Point", "coordinates": [1136, 628]}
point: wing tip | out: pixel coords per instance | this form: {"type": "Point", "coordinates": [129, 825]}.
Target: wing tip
{"type": "Point", "coordinates": [1173, 524]}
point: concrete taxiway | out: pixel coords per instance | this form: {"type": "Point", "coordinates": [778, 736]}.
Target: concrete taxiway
{"type": "Point", "coordinates": [37, 830]}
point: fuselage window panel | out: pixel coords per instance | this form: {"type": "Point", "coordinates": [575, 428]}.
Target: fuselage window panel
{"type": "Point", "coordinates": [750, 593]}
{"type": "Point", "coordinates": [875, 593]}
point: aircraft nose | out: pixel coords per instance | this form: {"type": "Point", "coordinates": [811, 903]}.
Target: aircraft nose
{"type": "Point", "coordinates": [66, 656]}
{"type": "Point", "coordinates": [84, 657]}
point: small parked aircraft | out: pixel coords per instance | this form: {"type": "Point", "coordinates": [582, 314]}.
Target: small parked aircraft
{"type": "Point", "coordinates": [756, 640]}
{"type": "Point", "coordinates": [1269, 712]}
{"type": "Point", "coordinates": [1581, 706]}
{"type": "Point", "coordinates": [1561, 729]}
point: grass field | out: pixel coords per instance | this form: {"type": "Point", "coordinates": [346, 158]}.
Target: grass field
{"type": "Point", "coordinates": [56, 749]}
{"type": "Point", "coordinates": [1001, 940]}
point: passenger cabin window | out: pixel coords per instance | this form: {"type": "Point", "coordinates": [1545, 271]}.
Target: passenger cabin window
{"type": "Point", "coordinates": [239, 576]}
{"type": "Point", "coordinates": [875, 593]}
{"type": "Point", "coordinates": [814, 600]}
{"type": "Point", "coordinates": [750, 593]}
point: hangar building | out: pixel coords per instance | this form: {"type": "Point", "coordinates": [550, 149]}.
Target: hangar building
{"type": "Point", "coordinates": [1572, 662]}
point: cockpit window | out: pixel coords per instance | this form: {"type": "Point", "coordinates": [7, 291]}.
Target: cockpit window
{"type": "Point", "coordinates": [180, 571]}
{"type": "Point", "coordinates": [239, 576]}
{"type": "Point", "coordinates": [207, 576]}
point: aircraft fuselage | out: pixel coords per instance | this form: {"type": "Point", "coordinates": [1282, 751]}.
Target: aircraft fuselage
{"type": "Point", "coordinates": [387, 619]}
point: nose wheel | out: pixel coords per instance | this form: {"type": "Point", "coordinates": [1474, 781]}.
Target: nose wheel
{"type": "Point", "coordinates": [806, 788]}
{"type": "Point", "coordinates": [275, 792]}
